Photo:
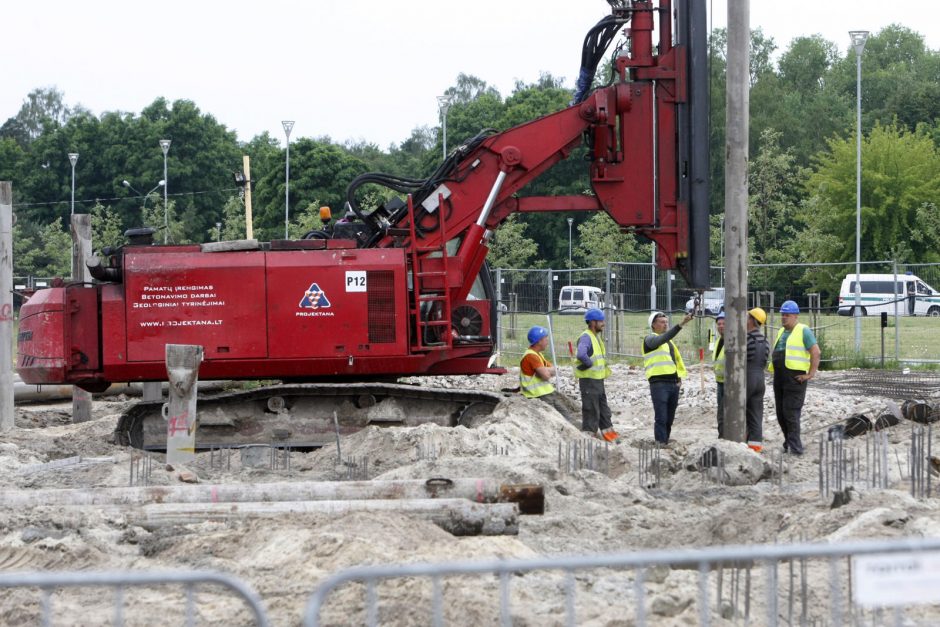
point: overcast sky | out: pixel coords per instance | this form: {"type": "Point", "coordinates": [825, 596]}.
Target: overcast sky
{"type": "Point", "coordinates": [349, 69]}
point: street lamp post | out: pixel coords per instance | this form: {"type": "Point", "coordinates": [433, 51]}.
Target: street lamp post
{"type": "Point", "coordinates": [444, 103]}
{"type": "Point", "coordinates": [859, 37]}
{"type": "Point", "coordinates": [570, 222]}
{"type": "Point", "coordinates": [165, 146]}
{"type": "Point", "coordinates": [288, 125]}
{"type": "Point", "coordinates": [73, 159]}
{"type": "Point", "coordinates": [127, 184]}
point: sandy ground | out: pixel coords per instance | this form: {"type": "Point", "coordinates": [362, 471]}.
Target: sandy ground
{"type": "Point", "coordinates": [588, 512]}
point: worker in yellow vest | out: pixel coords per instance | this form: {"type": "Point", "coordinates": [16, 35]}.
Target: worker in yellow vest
{"type": "Point", "coordinates": [591, 369]}
{"type": "Point", "coordinates": [718, 365]}
{"type": "Point", "coordinates": [794, 361]}
{"type": "Point", "coordinates": [536, 372]}
{"type": "Point", "coordinates": [664, 371]}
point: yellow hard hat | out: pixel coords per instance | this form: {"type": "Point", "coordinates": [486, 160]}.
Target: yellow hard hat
{"type": "Point", "coordinates": [758, 314]}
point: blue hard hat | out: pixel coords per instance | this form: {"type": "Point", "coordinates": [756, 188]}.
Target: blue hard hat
{"type": "Point", "coordinates": [536, 333]}
{"type": "Point", "coordinates": [789, 307]}
{"type": "Point", "coordinates": [720, 316]}
{"type": "Point", "coordinates": [593, 314]}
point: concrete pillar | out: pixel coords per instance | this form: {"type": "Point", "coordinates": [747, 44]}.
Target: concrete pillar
{"type": "Point", "coordinates": [6, 306]}
{"type": "Point", "coordinates": [736, 205]}
{"type": "Point", "coordinates": [182, 368]}
{"type": "Point", "coordinates": [81, 250]}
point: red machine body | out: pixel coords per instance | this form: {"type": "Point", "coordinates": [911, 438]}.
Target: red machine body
{"type": "Point", "coordinates": [409, 297]}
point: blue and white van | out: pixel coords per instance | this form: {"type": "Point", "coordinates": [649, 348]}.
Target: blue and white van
{"type": "Point", "coordinates": [879, 292]}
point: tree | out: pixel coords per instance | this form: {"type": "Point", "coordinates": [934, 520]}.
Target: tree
{"type": "Point", "coordinates": [105, 227]}
{"type": "Point", "coordinates": [600, 241]}
{"type": "Point", "coordinates": [43, 109]}
{"type": "Point", "coordinates": [44, 251]}
{"type": "Point", "coordinates": [511, 248]}
{"type": "Point", "coordinates": [900, 176]}
{"type": "Point", "coordinates": [320, 172]}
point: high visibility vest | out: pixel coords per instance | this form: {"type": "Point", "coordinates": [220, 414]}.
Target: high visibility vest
{"type": "Point", "coordinates": [599, 370]}
{"type": "Point", "coordinates": [659, 362]}
{"type": "Point", "coordinates": [534, 386]}
{"type": "Point", "coordinates": [718, 357]}
{"type": "Point", "coordinates": [797, 355]}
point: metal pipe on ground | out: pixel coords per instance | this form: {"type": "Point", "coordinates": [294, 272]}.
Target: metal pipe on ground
{"type": "Point", "coordinates": [529, 497]}
{"type": "Point", "coordinates": [459, 517]}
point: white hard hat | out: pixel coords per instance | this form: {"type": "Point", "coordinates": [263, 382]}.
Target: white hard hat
{"type": "Point", "coordinates": [653, 317]}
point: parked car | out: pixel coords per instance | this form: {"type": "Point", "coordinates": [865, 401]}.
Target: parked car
{"type": "Point", "coordinates": [713, 302]}
{"type": "Point", "coordinates": [577, 299]}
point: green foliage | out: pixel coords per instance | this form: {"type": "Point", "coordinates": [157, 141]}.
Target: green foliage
{"type": "Point", "coordinates": [511, 248]}
{"type": "Point", "coordinates": [44, 251]}
{"type": "Point", "coordinates": [900, 176]}
{"type": "Point", "coordinates": [306, 220]}
{"type": "Point", "coordinates": [600, 241]}
{"type": "Point", "coordinates": [233, 219]}
{"type": "Point", "coordinates": [177, 232]}
{"type": "Point", "coordinates": [105, 227]}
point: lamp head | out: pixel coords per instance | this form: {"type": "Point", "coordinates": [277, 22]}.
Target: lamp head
{"type": "Point", "coordinates": [125, 183]}
{"type": "Point", "coordinates": [165, 146]}
{"type": "Point", "coordinates": [859, 37]}
{"type": "Point", "coordinates": [73, 158]}
{"type": "Point", "coordinates": [288, 126]}
{"type": "Point", "coordinates": [161, 183]}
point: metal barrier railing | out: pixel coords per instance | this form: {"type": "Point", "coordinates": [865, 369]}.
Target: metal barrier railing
{"type": "Point", "coordinates": [48, 582]}
{"type": "Point", "coordinates": [702, 561]}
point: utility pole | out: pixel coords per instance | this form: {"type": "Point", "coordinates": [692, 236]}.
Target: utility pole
{"type": "Point", "coordinates": [6, 307]}
{"type": "Point", "coordinates": [736, 202]}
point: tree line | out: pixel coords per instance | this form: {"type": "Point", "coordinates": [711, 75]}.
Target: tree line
{"type": "Point", "coordinates": [802, 167]}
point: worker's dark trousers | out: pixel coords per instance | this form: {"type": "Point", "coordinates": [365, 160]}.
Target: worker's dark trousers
{"type": "Point", "coordinates": [721, 410]}
{"type": "Point", "coordinates": [788, 398]}
{"type": "Point", "coordinates": [754, 406]}
{"type": "Point", "coordinates": [595, 414]}
{"type": "Point", "coordinates": [665, 395]}
{"type": "Point", "coordinates": [555, 400]}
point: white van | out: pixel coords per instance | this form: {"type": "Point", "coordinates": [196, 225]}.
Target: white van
{"type": "Point", "coordinates": [880, 292]}
{"type": "Point", "coordinates": [575, 299]}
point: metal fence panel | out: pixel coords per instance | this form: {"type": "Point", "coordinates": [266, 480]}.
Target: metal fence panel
{"type": "Point", "coordinates": [50, 582]}
{"type": "Point", "coordinates": [767, 585]}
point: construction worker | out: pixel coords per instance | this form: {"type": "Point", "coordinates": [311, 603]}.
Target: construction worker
{"type": "Point", "coordinates": [794, 361]}
{"type": "Point", "coordinates": [591, 370]}
{"type": "Point", "coordinates": [758, 352]}
{"type": "Point", "coordinates": [664, 371]}
{"type": "Point", "coordinates": [718, 365]}
{"type": "Point", "coordinates": [536, 372]}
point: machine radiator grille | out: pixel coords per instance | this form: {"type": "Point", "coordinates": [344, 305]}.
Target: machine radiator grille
{"type": "Point", "coordinates": [381, 306]}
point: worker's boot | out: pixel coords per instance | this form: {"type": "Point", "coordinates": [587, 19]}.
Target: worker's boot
{"type": "Point", "coordinates": [757, 447]}
{"type": "Point", "coordinates": [609, 435]}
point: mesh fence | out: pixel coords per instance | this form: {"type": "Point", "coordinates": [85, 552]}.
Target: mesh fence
{"type": "Point", "coordinates": [633, 290]}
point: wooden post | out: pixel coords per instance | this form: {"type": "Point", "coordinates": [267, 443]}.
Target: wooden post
{"type": "Point", "coordinates": [246, 165]}
{"type": "Point", "coordinates": [6, 306]}
{"type": "Point", "coordinates": [736, 205]}
{"type": "Point", "coordinates": [182, 368]}
{"type": "Point", "coordinates": [81, 250]}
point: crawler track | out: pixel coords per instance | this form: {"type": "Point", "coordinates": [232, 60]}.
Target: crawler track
{"type": "Point", "coordinates": [302, 415]}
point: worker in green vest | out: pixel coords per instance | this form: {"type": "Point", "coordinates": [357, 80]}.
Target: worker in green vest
{"type": "Point", "coordinates": [536, 372]}
{"type": "Point", "coordinates": [591, 369]}
{"type": "Point", "coordinates": [794, 361]}
{"type": "Point", "coordinates": [718, 365]}
{"type": "Point", "coordinates": [664, 371]}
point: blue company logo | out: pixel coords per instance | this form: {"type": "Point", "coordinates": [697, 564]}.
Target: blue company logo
{"type": "Point", "coordinates": [315, 298]}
